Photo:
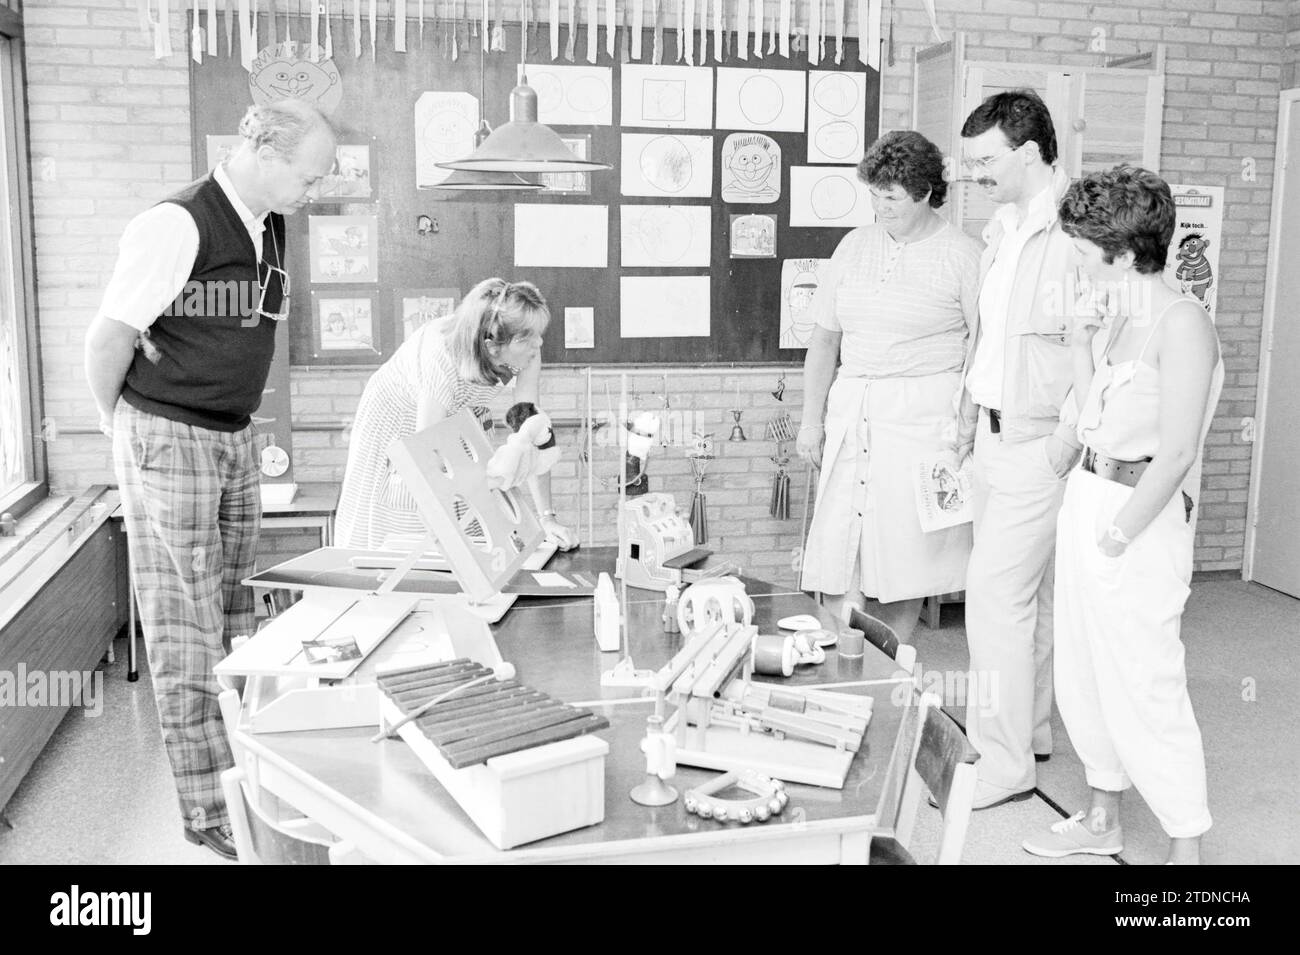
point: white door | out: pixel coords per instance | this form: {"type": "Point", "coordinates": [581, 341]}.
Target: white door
{"type": "Point", "coordinates": [1274, 556]}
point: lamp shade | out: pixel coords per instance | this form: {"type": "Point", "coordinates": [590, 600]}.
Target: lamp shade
{"type": "Point", "coordinates": [523, 144]}
{"type": "Point", "coordinates": [465, 180]}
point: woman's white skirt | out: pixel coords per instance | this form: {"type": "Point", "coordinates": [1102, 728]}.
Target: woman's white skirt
{"type": "Point", "coordinates": [877, 432]}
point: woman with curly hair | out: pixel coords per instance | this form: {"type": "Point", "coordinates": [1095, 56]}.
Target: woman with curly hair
{"type": "Point", "coordinates": [1124, 536]}
{"type": "Point", "coordinates": [893, 308]}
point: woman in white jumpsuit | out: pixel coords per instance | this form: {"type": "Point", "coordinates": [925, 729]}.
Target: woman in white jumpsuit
{"type": "Point", "coordinates": [1125, 531]}
{"type": "Point", "coordinates": [894, 306]}
{"type": "Point", "coordinates": [464, 360]}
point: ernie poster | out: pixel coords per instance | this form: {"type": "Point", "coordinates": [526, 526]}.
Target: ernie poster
{"type": "Point", "coordinates": [1193, 263]}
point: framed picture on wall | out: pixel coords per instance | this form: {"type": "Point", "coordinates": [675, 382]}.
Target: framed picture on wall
{"type": "Point", "coordinates": [355, 176]}
{"type": "Point", "coordinates": [345, 326]}
{"type": "Point", "coordinates": [570, 183]}
{"type": "Point", "coordinates": [419, 306]}
{"type": "Point", "coordinates": [344, 249]}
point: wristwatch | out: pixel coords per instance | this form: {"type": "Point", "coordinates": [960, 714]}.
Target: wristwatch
{"type": "Point", "coordinates": [1115, 534]}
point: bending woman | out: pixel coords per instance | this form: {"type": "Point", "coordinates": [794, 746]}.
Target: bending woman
{"type": "Point", "coordinates": [494, 338]}
{"type": "Point", "coordinates": [894, 307]}
{"type": "Point", "coordinates": [1124, 535]}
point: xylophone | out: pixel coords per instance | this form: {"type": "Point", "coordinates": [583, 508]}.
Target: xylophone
{"type": "Point", "coordinates": [488, 719]}
{"type": "Point", "coordinates": [520, 763]}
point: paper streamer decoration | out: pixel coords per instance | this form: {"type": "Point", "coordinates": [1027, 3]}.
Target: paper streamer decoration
{"type": "Point", "coordinates": [196, 36]}
{"type": "Point", "coordinates": [814, 31]}
{"type": "Point", "coordinates": [611, 18]}
{"type": "Point", "coordinates": [356, 28]}
{"type": "Point", "coordinates": [573, 30]}
{"type": "Point", "coordinates": [703, 8]}
{"type": "Point", "coordinates": [872, 31]}
{"type": "Point", "coordinates": [656, 12]}
{"type": "Point", "coordinates": [742, 29]}
{"type": "Point", "coordinates": [686, 39]}
{"type": "Point", "coordinates": [230, 28]}
{"type": "Point", "coordinates": [329, 36]}
{"type": "Point", "coordinates": [162, 32]}
{"type": "Point", "coordinates": [246, 39]}
{"type": "Point", "coordinates": [592, 31]}
{"type": "Point", "coordinates": [486, 31]}
{"type": "Point", "coordinates": [717, 30]}
{"type": "Point", "coordinates": [272, 38]}
{"type": "Point", "coordinates": [399, 25]}
{"type": "Point", "coordinates": [783, 29]}
{"type": "Point", "coordinates": [758, 28]}
{"type": "Point", "coordinates": [212, 27]}
{"type": "Point", "coordinates": [839, 31]}
{"type": "Point", "coordinates": [374, 30]}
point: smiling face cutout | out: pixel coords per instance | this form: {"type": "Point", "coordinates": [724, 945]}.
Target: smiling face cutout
{"type": "Point", "coordinates": [753, 168]}
{"type": "Point", "coordinates": [285, 72]}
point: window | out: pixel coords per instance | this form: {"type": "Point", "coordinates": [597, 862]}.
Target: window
{"type": "Point", "coordinates": [22, 463]}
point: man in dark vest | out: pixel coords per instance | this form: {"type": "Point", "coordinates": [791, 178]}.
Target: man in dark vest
{"type": "Point", "coordinates": [177, 358]}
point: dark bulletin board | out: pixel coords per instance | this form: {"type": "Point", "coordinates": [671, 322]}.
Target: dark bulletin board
{"type": "Point", "coordinates": [475, 237]}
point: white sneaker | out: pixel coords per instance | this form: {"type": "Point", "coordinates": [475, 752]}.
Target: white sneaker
{"type": "Point", "coordinates": [1071, 837]}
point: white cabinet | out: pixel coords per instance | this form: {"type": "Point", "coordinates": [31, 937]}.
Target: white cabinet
{"type": "Point", "coordinates": [1103, 115]}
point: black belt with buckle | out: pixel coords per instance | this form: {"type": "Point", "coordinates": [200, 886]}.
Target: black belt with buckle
{"type": "Point", "coordinates": [1113, 469]}
{"type": "Point", "coordinates": [995, 420]}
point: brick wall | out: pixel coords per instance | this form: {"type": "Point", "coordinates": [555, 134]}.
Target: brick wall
{"type": "Point", "coordinates": [110, 135]}
{"type": "Point", "coordinates": [1290, 74]}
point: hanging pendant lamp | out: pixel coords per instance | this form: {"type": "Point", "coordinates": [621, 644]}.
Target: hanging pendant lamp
{"type": "Point", "coordinates": [524, 144]}
{"type": "Point", "coordinates": [474, 180]}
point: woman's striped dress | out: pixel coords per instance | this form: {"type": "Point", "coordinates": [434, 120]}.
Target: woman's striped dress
{"type": "Point", "coordinates": [374, 504]}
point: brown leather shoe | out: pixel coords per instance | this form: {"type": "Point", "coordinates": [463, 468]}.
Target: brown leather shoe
{"type": "Point", "coordinates": [219, 839]}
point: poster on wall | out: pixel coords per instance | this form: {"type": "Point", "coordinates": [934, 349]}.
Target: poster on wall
{"type": "Point", "coordinates": [572, 95]}
{"type": "Point", "coordinates": [667, 97]}
{"type": "Point", "coordinates": [1193, 263]}
{"type": "Point", "coordinates": [344, 248]}
{"type": "Point", "coordinates": [417, 307]}
{"type": "Point", "coordinates": [751, 168]}
{"type": "Point", "coordinates": [760, 99]}
{"type": "Point", "coordinates": [836, 117]}
{"type": "Point", "coordinates": [345, 326]}
{"type": "Point", "coordinates": [354, 176]}
{"type": "Point", "coordinates": [828, 198]}
{"type": "Point", "coordinates": [799, 282]}
{"type": "Point", "coordinates": [444, 131]}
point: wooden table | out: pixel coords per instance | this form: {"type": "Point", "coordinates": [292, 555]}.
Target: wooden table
{"type": "Point", "coordinates": [387, 804]}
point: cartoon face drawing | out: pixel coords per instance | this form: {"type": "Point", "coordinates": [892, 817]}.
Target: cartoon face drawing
{"type": "Point", "coordinates": [802, 292]}
{"type": "Point", "coordinates": [447, 133]}
{"type": "Point", "coordinates": [1194, 272]}
{"type": "Point", "coordinates": [277, 75]}
{"type": "Point", "coordinates": [751, 165]}
{"type": "Point", "coordinates": [753, 168]}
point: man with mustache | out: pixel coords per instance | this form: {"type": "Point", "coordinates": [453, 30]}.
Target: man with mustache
{"type": "Point", "coordinates": [1017, 381]}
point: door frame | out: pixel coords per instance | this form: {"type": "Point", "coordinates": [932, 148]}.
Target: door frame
{"type": "Point", "coordinates": [1285, 101]}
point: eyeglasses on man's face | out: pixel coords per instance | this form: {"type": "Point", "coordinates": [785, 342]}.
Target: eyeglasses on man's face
{"type": "Point", "coordinates": [985, 163]}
